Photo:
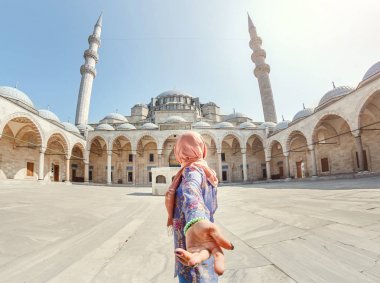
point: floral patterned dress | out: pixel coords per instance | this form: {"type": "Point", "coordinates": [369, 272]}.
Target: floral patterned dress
{"type": "Point", "coordinates": [195, 197]}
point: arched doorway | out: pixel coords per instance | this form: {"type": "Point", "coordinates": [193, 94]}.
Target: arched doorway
{"type": "Point", "coordinates": [334, 146]}
{"type": "Point", "coordinates": [55, 158]}
{"type": "Point", "coordinates": [299, 156]}
{"type": "Point", "coordinates": [77, 163]}
{"type": "Point", "coordinates": [255, 158]}
{"type": "Point", "coordinates": [147, 158]}
{"type": "Point", "coordinates": [369, 124]}
{"type": "Point", "coordinates": [98, 160]}
{"type": "Point", "coordinates": [277, 161]}
{"type": "Point", "coordinates": [168, 156]}
{"type": "Point", "coordinates": [232, 167]}
{"type": "Point", "coordinates": [20, 144]}
{"type": "Point", "coordinates": [122, 161]}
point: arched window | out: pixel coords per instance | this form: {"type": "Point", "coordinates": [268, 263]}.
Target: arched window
{"type": "Point", "coordinates": [160, 179]}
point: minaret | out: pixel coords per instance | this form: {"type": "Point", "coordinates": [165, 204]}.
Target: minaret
{"type": "Point", "coordinates": [262, 74]}
{"type": "Point", "coordinates": [88, 73]}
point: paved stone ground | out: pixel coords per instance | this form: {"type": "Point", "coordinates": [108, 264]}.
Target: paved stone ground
{"type": "Point", "coordinates": [323, 231]}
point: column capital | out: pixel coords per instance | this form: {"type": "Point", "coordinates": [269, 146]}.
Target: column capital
{"type": "Point", "coordinates": [243, 150]}
{"type": "Point", "coordinates": [133, 152]}
{"type": "Point", "coordinates": [356, 133]}
{"type": "Point", "coordinates": [218, 151]}
{"type": "Point", "coordinates": [267, 160]}
{"type": "Point", "coordinates": [311, 147]}
{"type": "Point", "coordinates": [109, 152]}
{"type": "Point", "coordinates": [42, 149]}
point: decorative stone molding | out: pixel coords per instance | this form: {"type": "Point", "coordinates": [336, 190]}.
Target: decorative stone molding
{"type": "Point", "coordinates": [88, 69]}
{"type": "Point", "coordinates": [94, 39]}
{"type": "Point", "coordinates": [92, 54]}
{"type": "Point", "coordinates": [261, 69]}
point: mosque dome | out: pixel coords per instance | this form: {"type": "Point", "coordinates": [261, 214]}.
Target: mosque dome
{"type": "Point", "coordinates": [372, 71]}
{"type": "Point", "coordinates": [125, 127]}
{"type": "Point", "coordinates": [82, 127]}
{"type": "Point", "coordinates": [200, 125]}
{"type": "Point", "coordinates": [116, 116]}
{"type": "Point", "coordinates": [149, 126]}
{"type": "Point", "coordinates": [169, 93]}
{"type": "Point", "coordinates": [235, 115]}
{"type": "Point", "coordinates": [267, 125]}
{"type": "Point", "coordinates": [247, 125]}
{"type": "Point", "coordinates": [70, 127]}
{"type": "Point", "coordinates": [224, 125]}
{"type": "Point", "coordinates": [48, 115]}
{"type": "Point", "coordinates": [104, 127]}
{"type": "Point", "coordinates": [335, 93]}
{"type": "Point", "coordinates": [282, 125]}
{"type": "Point", "coordinates": [210, 103]}
{"type": "Point", "coordinates": [175, 119]}
{"type": "Point", "coordinates": [303, 113]}
{"type": "Point", "coordinates": [140, 105]}
{"type": "Point", "coordinates": [15, 94]}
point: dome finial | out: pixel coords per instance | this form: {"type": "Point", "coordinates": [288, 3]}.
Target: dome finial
{"type": "Point", "coordinates": [100, 20]}
{"type": "Point", "coordinates": [333, 84]}
{"type": "Point", "coordinates": [283, 118]}
{"type": "Point", "coordinates": [303, 105]}
{"type": "Point", "coordinates": [250, 23]}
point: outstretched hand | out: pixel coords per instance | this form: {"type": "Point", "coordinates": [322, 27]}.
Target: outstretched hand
{"type": "Point", "coordinates": [204, 239]}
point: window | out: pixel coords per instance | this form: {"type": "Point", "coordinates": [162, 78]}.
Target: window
{"type": "Point", "coordinates": [151, 157]}
{"type": "Point", "coordinates": [29, 169]}
{"type": "Point", "coordinates": [224, 176]}
{"type": "Point", "coordinates": [160, 179]}
{"type": "Point", "coordinates": [130, 177]}
{"type": "Point", "coordinates": [150, 177]}
{"type": "Point", "coordinates": [223, 155]}
{"type": "Point", "coordinates": [325, 164]}
{"type": "Point", "coordinates": [130, 158]}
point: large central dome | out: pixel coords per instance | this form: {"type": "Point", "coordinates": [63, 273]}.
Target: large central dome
{"type": "Point", "coordinates": [170, 93]}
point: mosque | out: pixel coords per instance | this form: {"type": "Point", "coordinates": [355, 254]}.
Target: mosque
{"type": "Point", "coordinates": [340, 136]}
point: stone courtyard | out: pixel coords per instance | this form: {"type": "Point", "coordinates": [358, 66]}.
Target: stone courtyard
{"type": "Point", "coordinates": [321, 231]}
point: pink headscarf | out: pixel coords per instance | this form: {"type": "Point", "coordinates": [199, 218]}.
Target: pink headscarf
{"type": "Point", "coordinates": [190, 150]}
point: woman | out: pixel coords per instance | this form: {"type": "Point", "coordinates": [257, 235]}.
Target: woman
{"type": "Point", "coordinates": [191, 204]}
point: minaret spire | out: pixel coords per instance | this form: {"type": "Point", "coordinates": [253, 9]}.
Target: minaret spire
{"type": "Point", "coordinates": [88, 73]}
{"type": "Point", "coordinates": [262, 73]}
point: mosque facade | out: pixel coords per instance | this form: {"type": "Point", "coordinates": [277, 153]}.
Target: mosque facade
{"type": "Point", "coordinates": [341, 136]}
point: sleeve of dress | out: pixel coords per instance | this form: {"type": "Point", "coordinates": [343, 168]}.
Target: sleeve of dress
{"type": "Point", "coordinates": [193, 204]}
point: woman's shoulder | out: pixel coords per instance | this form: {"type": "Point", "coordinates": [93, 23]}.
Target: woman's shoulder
{"type": "Point", "coordinates": [193, 172]}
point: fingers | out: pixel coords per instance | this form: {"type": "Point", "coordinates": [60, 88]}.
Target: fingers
{"type": "Point", "coordinates": [191, 258]}
{"type": "Point", "coordinates": [219, 238]}
{"type": "Point", "coordinates": [218, 260]}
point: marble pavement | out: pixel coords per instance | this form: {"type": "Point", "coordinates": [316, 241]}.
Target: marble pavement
{"type": "Point", "coordinates": [322, 231]}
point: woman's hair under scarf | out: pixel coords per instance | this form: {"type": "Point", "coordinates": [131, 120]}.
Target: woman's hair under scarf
{"type": "Point", "coordinates": [190, 151]}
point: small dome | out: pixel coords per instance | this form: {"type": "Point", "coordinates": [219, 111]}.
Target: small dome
{"type": "Point", "coordinates": [125, 127]}
{"type": "Point", "coordinates": [47, 114]}
{"type": "Point", "coordinates": [267, 125]}
{"type": "Point", "coordinates": [116, 116]}
{"type": "Point", "coordinates": [82, 127]}
{"type": "Point", "coordinates": [372, 71]}
{"type": "Point", "coordinates": [70, 127]}
{"type": "Point", "coordinates": [303, 113]}
{"type": "Point", "coordinates": [16, 94]}
{"type": "Point", "coordinates": [282, 125]}
{"type": "Point", "coordinates": [175, 119]}
{"type": "Point", "coordinates": [140, 105]}
{"type": "Point", "coordinates": [224, 125]}
{"type": "Point", "coordinates": [173, 93]}
{"type": "Point", "coordinates": [235, 115]}
{"type": "Point", "coordinates": [247, 125]}
{"type": "Point", "coordinates": [200, 125]}
{"type": "Point", "coordinates": [149, 126]}
{"type": "Point", "coordinates": [210, 104]}
{"type": "Point", "coordinates": [336, 93]}
{"type": "Point", "coordinates": [104, 127]}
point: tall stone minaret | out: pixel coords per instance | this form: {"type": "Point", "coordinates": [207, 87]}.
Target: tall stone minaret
{"type": "Point", "coordinates": [262, 73]}
{"type": "Point", "coordinates": [88, 73]}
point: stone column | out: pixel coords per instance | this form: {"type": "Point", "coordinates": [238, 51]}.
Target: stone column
{"type": "Point", "coordinates": [41, 164]}
{"type": "Point", "coordinates": [244, 156]}
{"type": "Point", "coordinates": [359, 149]}
{"type": "Point", "coordinates": [67, 169]}
{"type": "Point", "coordinates": [219, 153]}
{"type": "Point", "coordinates": [287, 164]}
{"type": "Point", "coordinates": [109, 168]}
{"type": "Point", "coordinates": [313, 162]}
{"type": "Point", "coordinates": [159, 156]}
{"type": "Point", "coordinates": [268, 170]}
{"type": "Point", "coordinates": [134, 167]}
{"type": "Point", "coordinates": [86, 171]}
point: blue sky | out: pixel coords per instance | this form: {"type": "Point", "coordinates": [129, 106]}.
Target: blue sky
{"type": "Point", "coordinates": [197, 46]}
